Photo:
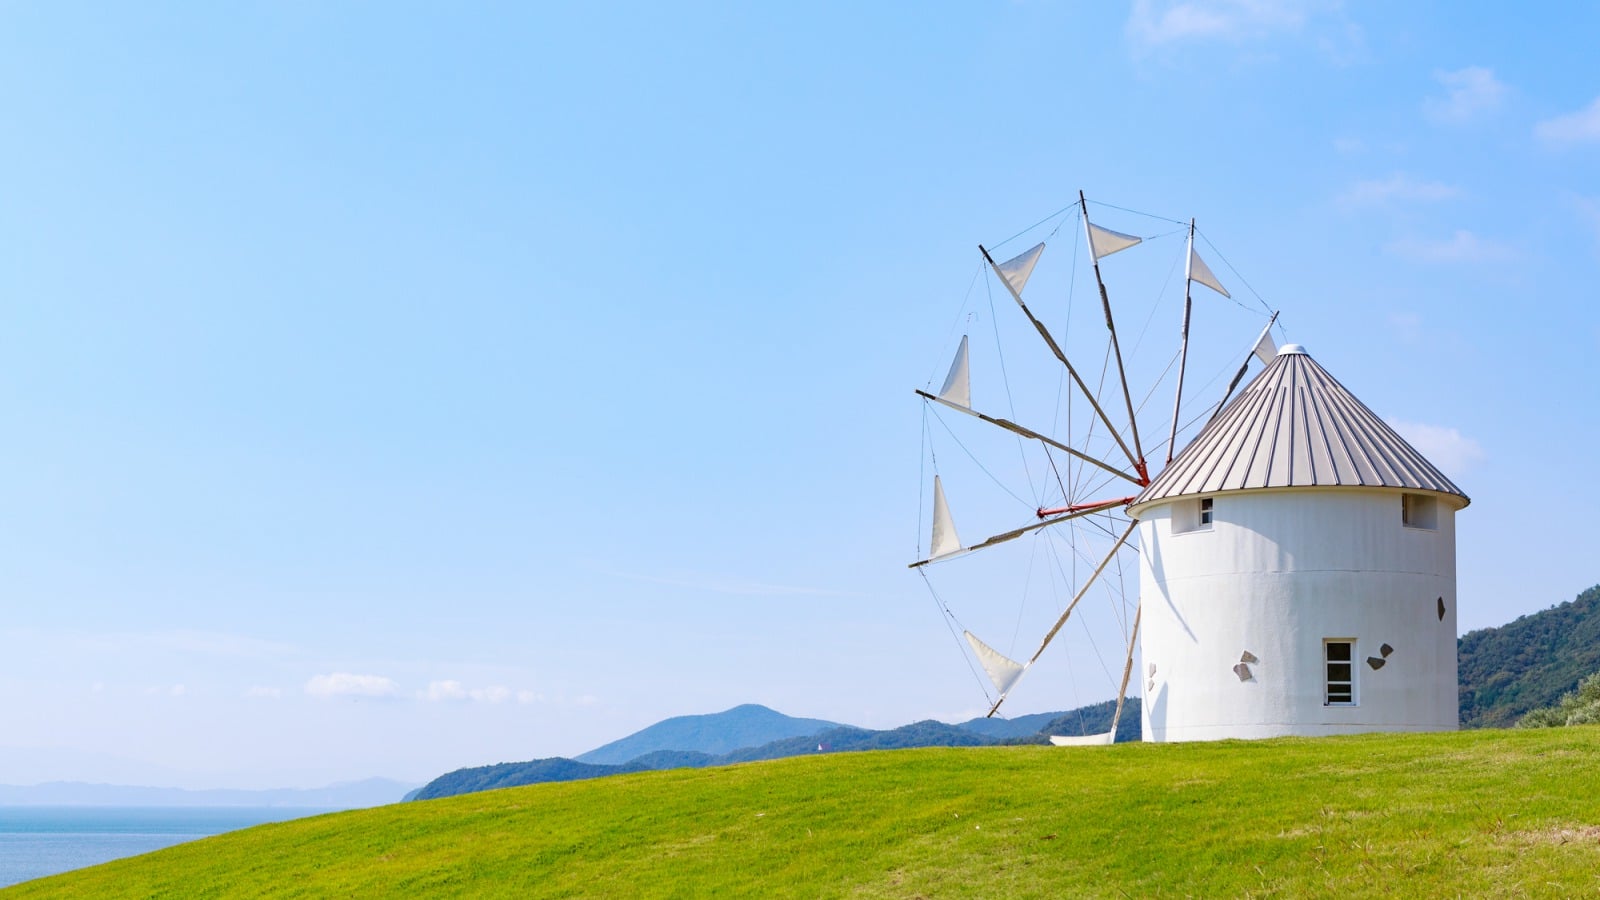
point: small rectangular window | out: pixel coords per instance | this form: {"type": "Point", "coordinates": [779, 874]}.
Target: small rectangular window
{"type": "Point", "coordinates": [1339, 664]}
{"type": "Point", "coordinates": [1419, 511]}
{"type": "Point", "coordinates": [1191, 515]}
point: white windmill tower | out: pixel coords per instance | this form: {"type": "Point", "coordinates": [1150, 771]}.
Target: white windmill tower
{"type": "Point", "coordinates": [1297, 571]}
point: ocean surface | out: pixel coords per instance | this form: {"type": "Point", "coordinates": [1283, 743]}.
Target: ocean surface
{"type": "Point", "coordinates": [36, 841]}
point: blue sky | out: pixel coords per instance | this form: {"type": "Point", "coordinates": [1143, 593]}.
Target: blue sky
{"type": "Point", "coordinates": [391, 387]}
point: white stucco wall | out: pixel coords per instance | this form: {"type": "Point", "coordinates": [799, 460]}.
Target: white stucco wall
{"type": "Point", "coordinates": [1277, 573]}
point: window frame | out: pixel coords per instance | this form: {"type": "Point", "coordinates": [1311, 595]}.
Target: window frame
{"type": "Point", "coordinates": [1419, 512]}
{"type": "Point", "coordinates": [1193, 514]}
{"type": "Point", "coordinates": [1350, 684]}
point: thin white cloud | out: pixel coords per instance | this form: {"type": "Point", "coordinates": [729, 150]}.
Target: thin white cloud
{"type": "Point", "coordinates": [346, 684]}
{"type": "Point", "coordinates": [270, 693]}
{"type": "Point", "coordinates": [1461, 247]}
{"type": "Point", "coordinates": [443, 690]}
{"type": "Point", "coordinates": [1445, 447]}
{"type": "Point", "coordinates": [1581, 127]}
{"type": "Point", "coordinates": [1395, 189]}
{"type": "Point", "coordinates": [451, 690]}
{"type": "Point", "coordinates": [494, 693]}
{"type": "Point", "coordinates": [1470, 93]}
{"type": "Point", "coordinates": [1156, 22]}
{"type": "Point", "coordinates": [178, 690]}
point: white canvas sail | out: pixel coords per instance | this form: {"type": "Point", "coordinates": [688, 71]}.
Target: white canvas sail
{"type": "Point", "coordinates": [945, 540]}
{"type": "Point", "coordinates": [1201, 273]}
{"type": "Point", "coordinates": [958, 384]}
{"type": "Point", "coordinates": [1002, 670]}
{"type": "Point", "coordinates": [1087, 740]}
{"type": "Point", "coordinates": [1017, 269]}
{"type": "Point", "coordinates": [1265, 349]}
{"type": "Point", "coordinates": [1104, 241]}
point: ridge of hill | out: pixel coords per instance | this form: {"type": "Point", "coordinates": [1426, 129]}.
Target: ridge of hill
{"type": "Point", "coordinates": [1528, 664]}
{"type": "Point", "coordinates": [1021, 726]}
{"type": "Point", "coordinates": [843, 738]}
{"type": "Point", "coordinates": [747, 725]}
{"type": "Point", "coordinates": [1499, 813]}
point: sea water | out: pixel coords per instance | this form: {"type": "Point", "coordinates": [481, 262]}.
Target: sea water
{"type": "Point", "coordinates": [36, 841]}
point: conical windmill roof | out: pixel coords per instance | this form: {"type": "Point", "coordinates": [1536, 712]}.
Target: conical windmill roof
{"type": "Point", "coordinates": [1295, 426]}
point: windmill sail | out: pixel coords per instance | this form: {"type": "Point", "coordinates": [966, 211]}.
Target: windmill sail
{"type": "Point", "coordinates": [958, 384]}
{"type": "Point", "coordinates": [1265, 350]}
{"type": "Point", "coordinates": [1017, 269]}
{"type": "Point", "coordinates": [1002, 670]}
{"type": "Point", "coordinates": [1200, 272]}
{"type": "Point", "coordinates": [1087, 740]}
{"type": "Point", "coordinates": [945, 540]}
{"type": "Point", "coordinates": [1104, 241]}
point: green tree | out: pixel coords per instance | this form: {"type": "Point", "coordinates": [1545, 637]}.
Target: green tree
{"type": "Point", "coordinates": [1581, 707]}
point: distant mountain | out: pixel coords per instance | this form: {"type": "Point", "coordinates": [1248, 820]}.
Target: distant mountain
{"type": "Point", "coordinates": [1527, 664]}
{"type": "Point", "coordinates": [750, 725]}
{"type": "Point", "coordinates": [834, 740]}
{"type": "Point", "coordinates": [346, 795]}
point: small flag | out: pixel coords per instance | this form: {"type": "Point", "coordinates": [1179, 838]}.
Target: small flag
{"type": "Point", "coordinates": [1104, 241]}
{"type": "Point", "coordinates": [1016, 270]}
{"type": "Point", "coordinates": [1199, 271]}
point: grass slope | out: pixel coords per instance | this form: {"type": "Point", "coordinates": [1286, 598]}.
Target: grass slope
{"type": "Point", "coordinates": [1473, 813]}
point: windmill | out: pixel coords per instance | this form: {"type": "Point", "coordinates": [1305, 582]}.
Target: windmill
{"type": "Point", "coordinates": [1105, 499]}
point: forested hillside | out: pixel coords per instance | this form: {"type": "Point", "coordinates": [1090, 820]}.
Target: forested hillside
{"type": "Point", "coordinates": [1096, 719]}
{"type": "Point", "coordinates": [1528, 664]}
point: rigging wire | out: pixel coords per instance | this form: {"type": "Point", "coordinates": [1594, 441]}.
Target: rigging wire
{"type": "Point", "coordinates": [1036, 225]}
{"type": "Point", "coordinates": [1260, 299]}
{"type": "Point", "coordinates": [951, 622]}
{"type": "Point", "coordinates": [963, 311]}
{"type": "Point", "coordinates": [1005, 379]}
{"type": "Point", "coordinates": [1154, 308]}
{"type": "Point", "coordinates": [1136, 212]}
{"type": "Point", "coordinates": [981, 467]}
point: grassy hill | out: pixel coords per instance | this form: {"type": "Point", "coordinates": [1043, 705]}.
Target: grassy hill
{"type": "Point", "coordinates": [1472, 813]}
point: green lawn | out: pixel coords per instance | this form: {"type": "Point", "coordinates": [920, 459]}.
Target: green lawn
{"type": "Point", "coordinates": [1474, 814]}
